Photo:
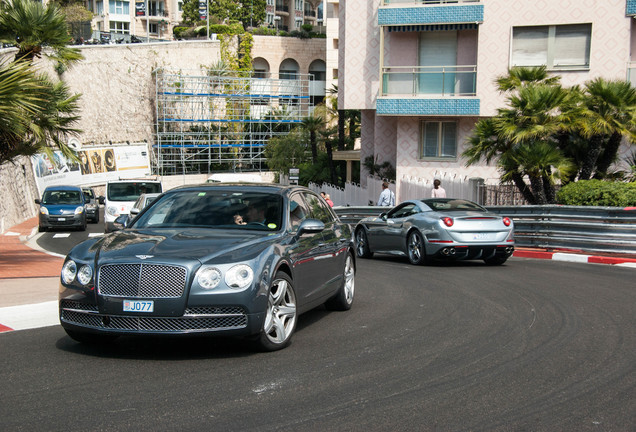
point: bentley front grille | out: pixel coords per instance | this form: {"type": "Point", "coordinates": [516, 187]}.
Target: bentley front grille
{"type": "Point", "coordinates": [196, 323]}
{"type": "Point", "coordinates": [141, 280]}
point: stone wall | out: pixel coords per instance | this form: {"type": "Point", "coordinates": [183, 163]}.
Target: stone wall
{"type": "Point", "coordinates": [118, 87]}
{"type": "Point", "coordinates": [18, 192]}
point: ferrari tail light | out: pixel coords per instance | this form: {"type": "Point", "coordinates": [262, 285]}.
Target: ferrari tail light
{"type": "Point", "coordinates": [506, 221]}
{"type": "Point", "coordinates": [448, 221]}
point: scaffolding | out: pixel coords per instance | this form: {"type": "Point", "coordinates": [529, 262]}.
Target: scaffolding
{"type": "Point", "coordinates": [221, 121]}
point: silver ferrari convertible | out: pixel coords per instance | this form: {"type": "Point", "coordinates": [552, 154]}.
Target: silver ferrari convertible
{"type": "Point", "coordinates": [437, 229]}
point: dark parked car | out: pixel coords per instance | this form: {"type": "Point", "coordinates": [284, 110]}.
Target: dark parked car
{"type": "Point", "coordinates": [437, 228]}
{"type": "Point", "coordinates": [92, 204]}
{"type": "Point", "coordinates": [62, 207]}
{"type": "Point", "coordinates": [232, 259]}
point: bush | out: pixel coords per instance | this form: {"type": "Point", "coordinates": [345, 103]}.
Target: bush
{"type": "Point", "coordinates": [264, 31]}
{"type": "Point", "coordinates": [179, 31]}
{"type": "Point", "coordinates": [598, 193]}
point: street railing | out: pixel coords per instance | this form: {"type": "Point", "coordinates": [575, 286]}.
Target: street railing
{"type": "Point", "coordinates": [588, 229]}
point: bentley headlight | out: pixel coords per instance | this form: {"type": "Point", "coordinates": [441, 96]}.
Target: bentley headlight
{"type": "Point", "coordinates": [85, 274]}
{"type": "Point", "coordinates": [239, 276]}
{"type": "Point", "coordinates": [208, 277]}
{"type": "Point", "coordinates": [79, 210]}
{"type": "Point", "coordinates": [69, 271]}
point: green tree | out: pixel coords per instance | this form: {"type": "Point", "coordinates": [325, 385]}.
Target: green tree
{"type": "Point", "coordinates": [287, 151]}
{"type": "Point", "coordinates": [313, 124]}
{"type": "Point", "coordinates": [36, 114]}
{"type": "Point", "coordinates": [190, 12]}
{"type": "Point", "coordinates": [33, 27]}
{"type": "Point", "coordinates": [520, 136]}
{"type": "Point", "coordinates": [610, 110]}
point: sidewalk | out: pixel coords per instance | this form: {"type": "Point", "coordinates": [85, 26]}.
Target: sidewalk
{"type": "Point", "coordinates": [29, 281]}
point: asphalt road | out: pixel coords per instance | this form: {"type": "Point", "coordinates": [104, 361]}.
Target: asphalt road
{"type": "Point", "coordinates": [533, 345]}
{"type": "Point", "coordinates": [61, 240]}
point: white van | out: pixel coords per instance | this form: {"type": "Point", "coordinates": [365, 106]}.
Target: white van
{"type": "Point", "coordinates": [121, 196]}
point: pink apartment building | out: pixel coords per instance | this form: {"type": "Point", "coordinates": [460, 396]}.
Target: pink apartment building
{"type": "Point", "coordinates": [423, 72]}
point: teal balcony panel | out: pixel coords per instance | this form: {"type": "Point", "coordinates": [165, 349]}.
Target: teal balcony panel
{"type": "Point", "coordinates": [630, 10]}
{"type": "Point", "coordinates": [389, 16]}
{"type": "Point", "coordinates": [432, 107]}
{"type": "Point", "coordinates": [429, 80]}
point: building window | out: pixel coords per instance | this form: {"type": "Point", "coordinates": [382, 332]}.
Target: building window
{"type": "Point", "coordinates": [288, 74]}
{"type": "Point", "coordinates": [99, 8]}
{"type": "Point", "coordinates": [153, 28]}
{"type": "Point", "coordinates": [334, 73]}
{"type": "Point", "coordinates": [556, 47]}
{"type": "Point", "coordinates": [118, 7]}
{"type": "Point", "coordinates": [120, 27]}
{"type": "Point", "coordinates": [439, 139]}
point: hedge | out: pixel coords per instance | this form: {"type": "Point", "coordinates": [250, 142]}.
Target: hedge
{"type": "Point", "coordinates": [598, 193]}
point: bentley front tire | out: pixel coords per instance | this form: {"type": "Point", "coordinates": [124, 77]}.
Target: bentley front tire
{"type": "Point", "coordinates": [280, 319]}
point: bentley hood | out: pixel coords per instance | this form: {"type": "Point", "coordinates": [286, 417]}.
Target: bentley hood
{"type": "Point", "coordinates": [180, 244]}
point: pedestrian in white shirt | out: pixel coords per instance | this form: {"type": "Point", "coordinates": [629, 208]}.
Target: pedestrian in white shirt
{"type": "Point", "coordinates": [438, 191]}
{"type": "Point", "coordinates": [387, 197]}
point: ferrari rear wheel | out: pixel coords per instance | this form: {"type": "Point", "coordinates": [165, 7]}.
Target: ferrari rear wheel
{"type": "Point", "coordinates": [416, 248]}
{"type": "Point", "coordinates": [362, 244]}
{"type": "Point", "coordinates": [281, 314]}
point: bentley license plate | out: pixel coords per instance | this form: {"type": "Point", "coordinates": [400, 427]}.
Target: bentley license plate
{"type": "Point", "coordinates": [139, 306]}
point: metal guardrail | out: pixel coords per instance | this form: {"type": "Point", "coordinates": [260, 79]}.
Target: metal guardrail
{"type": "Point", "coordinates": [589, 229]}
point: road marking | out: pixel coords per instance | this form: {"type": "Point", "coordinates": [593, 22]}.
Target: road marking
{"type": "Point", "coordinates": [95, 234]}
{"type": "Point", "coordinates": [62, 235]}
{"type": "Point", "coordinates": [30, 316]}
{"type": "Point", "coordinates": [11, 233]}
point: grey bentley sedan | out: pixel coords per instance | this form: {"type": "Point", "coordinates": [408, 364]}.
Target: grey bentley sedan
{"type": "Point", "coordinates": [224, 259]}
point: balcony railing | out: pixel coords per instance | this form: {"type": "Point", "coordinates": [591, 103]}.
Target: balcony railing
{"type": "Point", "coordinates": [425, 2]}
{"type": "Point", "coordinates": [429, 80]}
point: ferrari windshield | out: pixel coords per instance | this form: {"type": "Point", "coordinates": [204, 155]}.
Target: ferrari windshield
{"type": "Point", "coordinates": [452, 205]}
{"type": "Point", "coordinates": [224, 209]}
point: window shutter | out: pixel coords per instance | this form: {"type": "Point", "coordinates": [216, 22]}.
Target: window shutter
{"type": "Point", "coordinates": [530, 46]}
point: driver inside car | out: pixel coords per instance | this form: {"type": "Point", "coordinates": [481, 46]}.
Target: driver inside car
{"type": "Point", "coordinates": [256, 213]}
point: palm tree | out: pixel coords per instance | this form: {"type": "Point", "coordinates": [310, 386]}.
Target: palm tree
{"type": "Point", "coordinates": [313, 125]}
{"type": "Point", "coordinates": [538, 110]}
{"type": "Point", "coordinates": [21, 96]}
{"type": "Point", "coordinates": [542, 162]}
{"type": "Point", "coordinates": [519, 77]}
{"type": "Point", "coordinates": [36, 114]}
{"type": "Point", "coordinates": [33, 27]}
{"type": "Point", "coordinates": [610, 111]}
